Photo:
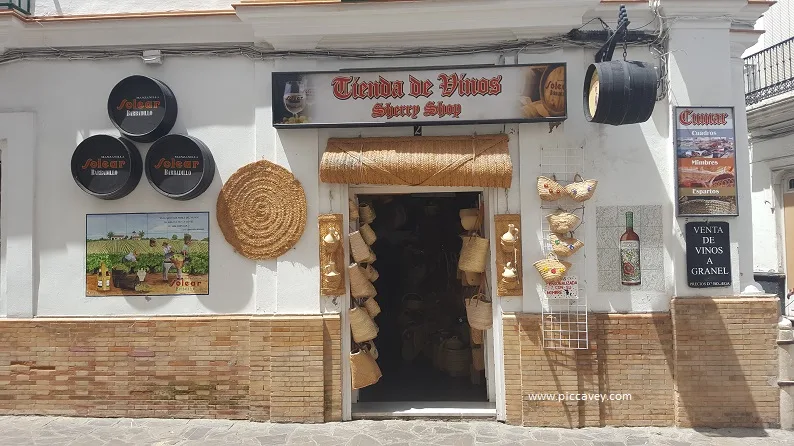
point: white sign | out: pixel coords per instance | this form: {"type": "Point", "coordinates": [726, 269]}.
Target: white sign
{"type": "Point", "coordinates": [422, 96]}
{"type": "Point", "coordinates": [567, 288]}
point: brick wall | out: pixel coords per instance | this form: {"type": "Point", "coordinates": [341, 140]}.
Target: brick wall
{"type": "Point", "coordinates": [708, 363]}
{"type": "Point", "coordinates": [219, 367]}
{"type": "Point", "coordinates": [726, 362]}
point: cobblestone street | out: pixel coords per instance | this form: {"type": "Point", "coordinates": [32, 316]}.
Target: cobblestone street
{"type": "Point", "coordinates": [60, 431]}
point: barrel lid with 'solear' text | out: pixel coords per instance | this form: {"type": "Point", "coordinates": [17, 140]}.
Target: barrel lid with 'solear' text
{"type": "Point", "coordinates": [107, 167]}
{"type": "Point", "coordinates": [179, 166]}
{"type": "Point", "coordinates": [142, 108]}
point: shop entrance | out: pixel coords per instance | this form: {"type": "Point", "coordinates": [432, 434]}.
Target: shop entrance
{"type": "Point", "coordinates": [428, 355]}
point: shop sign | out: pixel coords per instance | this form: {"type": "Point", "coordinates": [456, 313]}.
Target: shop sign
{"type": "Point", "coordinates": [708, 254]}
{"type": "Point", "coordinates": [106, 167]}
{"type": "Point", "coordinates": [422, 96]}
{"type": "Point", "coordinates": [179, 166]}
{"type": "Point", "coordinates": [567, 288]}
{"type": "Point", "coordinates": [706, 161]}
{"type": "Point", "coordinates": [142, 108]}
{"type": "Point", "coordinates": [147, 254]}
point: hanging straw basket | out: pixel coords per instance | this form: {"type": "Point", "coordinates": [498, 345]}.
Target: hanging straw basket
{"type": "Point", "coordinates": [550, 268]}
{"type": "Point", "coordinates": [469, 218]}
{"type": "Point", "coordinates": [364, 369]}
{"type": "Point", "coordinates": [478, 358]}
{"type": "Point", "coordinates": [707, 207]}
{"type": "Point", "coordinates": [564, 246]}
{"type": "Point", "coordinates": [358, 247]}
{"type": "Point", "coordinates": [368, 234]}
{"type": "Point", "coordinates": [479, 312]}
{"type": "Point", "coordinates": [472, 279]}
{"type": "Point", "coordinates": [474, 254]}
{"type": "Point", "coordinates": [549, 189]}
{"type": "Point", "coordinates": [352, 210]}
{"type": "Point", "coordinates": [581, 189]}
{"type": "Point", "coordinates": [366, 213]}
{"type": "Point", "coordinates": [360, 286]}
{"type": "Point", "coordinates": [457, 357]}
{"type": "Point", "coordinates": [372, 307]}
{"type": "Point", "coordinates": [372, 273]}
{"type": "Point", "coordinates": [362, 326]}
{"type": "Point", "coordinates": [562, 222]}
{"type": "Point", "coordinates": [476, 336]}
{"type": "Point", "coordinates": [370, 348]}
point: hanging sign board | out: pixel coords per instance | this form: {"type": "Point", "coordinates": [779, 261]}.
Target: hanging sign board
{"type": "Point", "coordinates": [421, 96]}
{"type": "Point", "coordinates": [708, 254]}
{"type": "Point", "coordinates": [142, 108]}
{"type": "Point", "coordinates": [706, 161]}
{"type": "Point", "coordinates": [106, 167]}
{"type": "Point", "coordinates": [179, 166]}
{"type": "Point", "coordinates": [567, 288]}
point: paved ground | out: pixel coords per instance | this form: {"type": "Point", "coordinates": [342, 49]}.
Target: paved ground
{"type": "Point", "coordinates": [57, 431]}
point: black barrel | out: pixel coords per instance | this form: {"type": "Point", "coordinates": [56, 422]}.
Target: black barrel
{"type": "Point", "coordinates": [179, 166]}
{"type": "Point", "coordinates": [142, 108]}
{"type": "Point", "coordinates": [619, 92]}
{"type": "Point", "coordinates": [107, 167]}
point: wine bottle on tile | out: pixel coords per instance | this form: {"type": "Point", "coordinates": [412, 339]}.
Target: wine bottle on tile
{"type": "Point", "coordinates": [630, 254]}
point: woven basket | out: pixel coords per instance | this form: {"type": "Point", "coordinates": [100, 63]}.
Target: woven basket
{"type": "Point", "coordinates": [549, 189]}
{"type": "Point", "coordinates": [372, 273]}
{"type": "Point", "coordinates": [476, 336]}
{"type": "Point", "coordinates": [261, 210]}
{"type": "Point", "coordinates": [564, 246]}
{"type": "Point", "coordinates": [562, 222]}
{"type": "Point", "coordinates": [364, 369]}
{"type": "Point", "coordinates": [474, 254]}
{"type": "Point", "coordinates": [362, 326]}
{"type": "Point", "coordinates": [469, 218]}
{"type": "Point", "coordinates": [707, 207]}
{"type": "Point", "coordinates": [581, 189]}
{"type": "Point", "coordinates": [479, 312]}
{"type": "Point", "coordinates": [550, 268]}
{"type": "Point", "coordinates": [366, 213]}
{"type": "Point", "coordinates": [368, 234]}
{"type": "Point", "coordinates": [352, 210]}
{"type": "Point", "coordinates": [456, 357]}
{"type": "Point", "coordinates": [724, 180]}
{"type": "Point", "coordinates": [372, 307]}
{"type": "Point", "coordinates": [370, 348]}
{"type": "Point", "coordinates": [478, 358]}
{"type": "Point", "coordinates": [360, 286]}
{"type": "Point", "coordinates": [472, 279]}
{"type": "Point", "coordinates": [359, 249]}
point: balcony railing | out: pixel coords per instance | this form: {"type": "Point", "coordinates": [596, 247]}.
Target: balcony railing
{"type": "Point", "coordinates": [769, 72]}
{"type": "Point", "coordinates": [22, 6]}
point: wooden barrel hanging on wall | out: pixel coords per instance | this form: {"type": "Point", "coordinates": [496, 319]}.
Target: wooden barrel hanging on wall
{"type": "Point", "coordinates": [619, 92]}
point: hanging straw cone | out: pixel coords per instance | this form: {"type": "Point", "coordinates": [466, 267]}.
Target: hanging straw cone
{"type": "Point", "coordinates": [368, 234]}
{"type": "Point", "coordinates": [359, 248]}
{"type": "Point", "coordinates": [372, 307]}
{"type": "Point", "coordinates": [364, 370]}
{"type": "Point", "coordinates": [476, 336]}
{"type": "Point", "coordinates": [362, 326]}
{"type": "Point", "coordinates": [366, 213]}
{"type": "Point", "coordinates": [352, 210]}
{"type": "Point", "coordinates": [474, 254]}
{"type": "Point", "coordinates": [372, 273]}
{"type": "Point", "coordinates": [360, 286]}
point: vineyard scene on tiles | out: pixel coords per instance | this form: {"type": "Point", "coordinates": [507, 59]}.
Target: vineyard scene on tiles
{"type": "Point", "coordinates": [147, 254]}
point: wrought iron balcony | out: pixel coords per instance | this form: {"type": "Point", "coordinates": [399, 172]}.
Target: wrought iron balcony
{"type": "Point", "coordinates": [22, 6]}
{"type": "Point", "coordinates": [769, 72]}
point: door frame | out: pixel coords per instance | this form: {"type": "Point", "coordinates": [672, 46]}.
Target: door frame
{"type": "Point", "coordinates": [493, 341]}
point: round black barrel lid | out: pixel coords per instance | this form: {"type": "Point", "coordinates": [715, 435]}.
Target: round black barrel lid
{"type": "Point", "coordinates": [142, 108]}
{"type": "Point", "coordinates": [107, 167]}
{"type": "Point", "coordinates": [179, 166]}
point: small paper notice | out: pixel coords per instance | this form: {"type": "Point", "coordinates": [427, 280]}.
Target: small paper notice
{"type": "Point", "coordinates": [567, 288]}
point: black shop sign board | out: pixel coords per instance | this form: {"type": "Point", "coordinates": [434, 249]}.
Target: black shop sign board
{"type": "Point", "coordinates": [708, 254]}
{"type": "Point", "coordinates": [179, 166]}
{"type": "Point", "coordinates": [106, 167]}
{"type": "Point", "coordinates": [142, 108]}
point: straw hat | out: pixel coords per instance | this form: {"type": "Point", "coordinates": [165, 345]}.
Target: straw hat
{"type": "Point", "coordinates": [262, 210]}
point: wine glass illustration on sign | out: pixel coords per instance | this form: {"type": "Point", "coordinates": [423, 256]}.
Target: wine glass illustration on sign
{"type": "Point", "coordinates": [295, 101]}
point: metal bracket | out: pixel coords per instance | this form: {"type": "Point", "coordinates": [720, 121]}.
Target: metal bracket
{"type": "Point", "coordinates": [605, 53]}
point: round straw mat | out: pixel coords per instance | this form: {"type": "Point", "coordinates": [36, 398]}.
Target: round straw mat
{"type": "Point", "coordinates": [262, 210]}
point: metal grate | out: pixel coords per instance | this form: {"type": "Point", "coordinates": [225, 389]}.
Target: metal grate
{"type": "Point", "coordinates": [564, 324]}
{"type": "Point", "coordinates": [22, 6]}
{"type": "Point", "coordinates": [769, 72]}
